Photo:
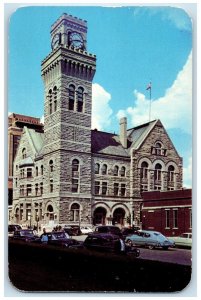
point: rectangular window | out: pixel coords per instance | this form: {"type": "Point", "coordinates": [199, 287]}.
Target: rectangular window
{"type": "Point", "coordinates": [104, 188]}
{"type": "Point", "coordinates": [29, 172]}
{"type": "Point", "coordinates": [51, 186]}
{"type": "Point", "coordinates": [167, 218]}
{"type": "Point", "coordinates": [123, 189]}
{"type": "Point", "coordinates": [190, 214]}
{"type": "Point", "coordinates": [41, 188]}
{"type": "Point", "coordinates": [28, 189]}
{"type": "Point", "coordinates": [116, 189]}
{"type": "Point", "coordinates": [175, 218]}
{"type": "Point", "coordinates": [97, 187]}
{"type": "Point", "coordinates": [74, 185]}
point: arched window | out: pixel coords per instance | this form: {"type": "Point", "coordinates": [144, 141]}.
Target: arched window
{"type": "Point", "coordinates": [80, 99]}
{"type": "Point", "coordinates": [144, 170]}
{"type": "Point", "coordinates": [116, 170]}
{"type": "Point", "coordinates": [51, 166]}
{"type": "Point", "coordinates": [157, 172]}
{"type": "Point", "coordinates": [75, 175]}
{"type": "Point", "coordinates": [71, 97]}
{"type": "Point", "coordinates": [50, 101]}
{"type": "Point", "coordinates": [75, 212]}
{"type": "Point", "coordinates": [97, 168]}
{"type": "Point", "coordinates": [123, 171]}
{"type": "Point", "coordinates": [171, 173]}
{"type": "Point", "coordinates": [41, 169]}
{"type": "Point", "coordinates": [55, 97]}
{"type": "Point", "coordinates": [36, 171]}
{"type": "Point", "coordinates": [24, 153]}
{"type": "Point", "coordinates": [104, 169]}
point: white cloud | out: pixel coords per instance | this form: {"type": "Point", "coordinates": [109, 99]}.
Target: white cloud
{"type": "Point", "coordinates": [174, 109]}
{"type": "Point", "coordinates": [101, 111]}
{"type": "Point", "coordinates": [42, 119]}
{"type": "Point", "coordinates": [187, 174]}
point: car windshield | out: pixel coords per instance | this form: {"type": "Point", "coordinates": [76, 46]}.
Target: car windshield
{"type": "Point", "coordinates": [26, 233]}
{"type": "Point", "coordinates": [58, 235]}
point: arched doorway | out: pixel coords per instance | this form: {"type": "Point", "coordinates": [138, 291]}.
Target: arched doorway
{"type": "Point", "coordinates": [118, 216]}
{"type": "Point", "coordinates": [99, 216]}
{"type": "Point", "coordinates": [50, 213]}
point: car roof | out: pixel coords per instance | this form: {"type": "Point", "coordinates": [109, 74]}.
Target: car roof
{"type": "Point", "coordinates": [150, 231]}
{"type": "Point", "coordinates": [104, 235]}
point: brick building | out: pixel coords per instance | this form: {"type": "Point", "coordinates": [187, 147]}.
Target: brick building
{"type": "Point", "coordinates": [72, 174]}
{"type": "Point", "coordinates": [169, 212]}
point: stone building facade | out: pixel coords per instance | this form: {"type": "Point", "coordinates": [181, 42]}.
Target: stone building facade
{"type": "Point", "coordinates": [71, 174]}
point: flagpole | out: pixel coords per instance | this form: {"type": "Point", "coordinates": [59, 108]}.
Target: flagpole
{"type": "Point", "coordinates": [149, 88]}
{"type": "Point", "coordinates": [150, 104]}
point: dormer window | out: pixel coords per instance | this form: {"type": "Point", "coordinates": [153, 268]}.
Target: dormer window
{"type": "Point", "coordinates": [158, 149]}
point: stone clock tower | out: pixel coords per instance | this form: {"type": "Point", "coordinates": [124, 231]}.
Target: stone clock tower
{"type": "Point", "coordinates": [67, 73]}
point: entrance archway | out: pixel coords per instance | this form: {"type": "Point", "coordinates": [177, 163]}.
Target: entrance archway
{"type": "Point", "coordinates": [50, 213]}
{"type": "Point", "coordinates": [118, 216]}
{"type": "Point", "coordinates": [99, 216]}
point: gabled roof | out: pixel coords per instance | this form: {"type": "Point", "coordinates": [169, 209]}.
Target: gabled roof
{"type": "Point", "coordinates": [139, 133]}
{"type": "Point", "coordinates": [35, 138]}
{"type": "Point", "coordinates": [107, 143]}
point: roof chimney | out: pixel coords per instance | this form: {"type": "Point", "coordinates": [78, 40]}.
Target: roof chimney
{"type": "Point", "coordinates": [123, 131]}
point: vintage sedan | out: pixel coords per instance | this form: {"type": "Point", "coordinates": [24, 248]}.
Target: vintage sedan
{"type": "Point", "coordinates": [150, 239]}
{"type": "Point", "coordinates": [184, 240]}
{"type": "Point", "coordinates": [61, 238]}
{"type": "Point", "coordinates": [27, 235]}
{"type": "Point", "coordinates": [107, 242]}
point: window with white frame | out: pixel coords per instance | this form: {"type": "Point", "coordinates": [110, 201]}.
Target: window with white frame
{"type": "Point", "coordinates": [75, 212]}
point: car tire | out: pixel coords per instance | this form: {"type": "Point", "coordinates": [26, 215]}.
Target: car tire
{"type": "Point", "coordinates": [151, 247]}
{"type": "Point", "coordinates": [129, 242]}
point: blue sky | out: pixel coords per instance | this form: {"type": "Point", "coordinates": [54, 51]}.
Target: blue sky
{"type": "Point", "coordinates": [133, 46]}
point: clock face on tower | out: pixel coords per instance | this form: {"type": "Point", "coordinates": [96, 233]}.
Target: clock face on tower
{"type": "Point", "coordinates": [55, 41]}
{"type": "Point", "coordinates": [76, 40]}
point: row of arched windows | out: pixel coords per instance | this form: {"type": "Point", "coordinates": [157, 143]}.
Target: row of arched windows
{"type": "Point", "coordinates": [157, 171]}
{"type": "Point", "coordinates": [52, 100]}
{"type": "Point", "coordinates": [76, 98]}
{"type": "Point", "coordinates": [103, 170]}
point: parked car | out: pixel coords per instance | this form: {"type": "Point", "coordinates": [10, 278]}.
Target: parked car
{"type": "Point", "coordinates": [86, 229]}
{"type": "Point", "coordinates": [72, 229]}
{"type": "Point", "coordinates": [12, 228]}
{"type": "Point", "coordinates": [150, 239]}
{"type": "Point", "coordinates": [107, 242]}
{"type": "Point", "coordinates": [26, 235]}
{"type": "Point", "coordinates": [61, 238]}
{"type": "Point", "coordinates": [108, 229]}
{"type": "Point", "coordinates": [128, 231]}
{"type": "Point", "coordinates": [184, 240]}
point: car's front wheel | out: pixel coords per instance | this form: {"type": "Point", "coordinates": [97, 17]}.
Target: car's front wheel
{"type": "Point", "coordinates": [151, 247]}
{"type": "Point", "coordinates": [129, 243]}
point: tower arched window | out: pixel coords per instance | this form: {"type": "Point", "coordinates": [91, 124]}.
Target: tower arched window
{"type": "Point", "coordinates": [171, 173]}
{"type": "Point", "coordinates": [158, 172]}
{"type": "Point", "coordinates": [75, 212]}
{"type": "Point", "coordinates": [51, 165]}
{"type": "Point", "coordinates": [80, 99]}
{"type": "Point", "coordinates": [71, 97]}
{"type": "Point", "coordinates": [144, 170]}
{"type": "Point", "coordinates": [24, 153]}
{"type": "Point", "coordinates": [50, 101]}
{"type": "Point", "coordinates": [55, 97]}
{"type": "Point", "coordinates": [75, 175]}
{"type": "Point", "coordinates": [104, 169]}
